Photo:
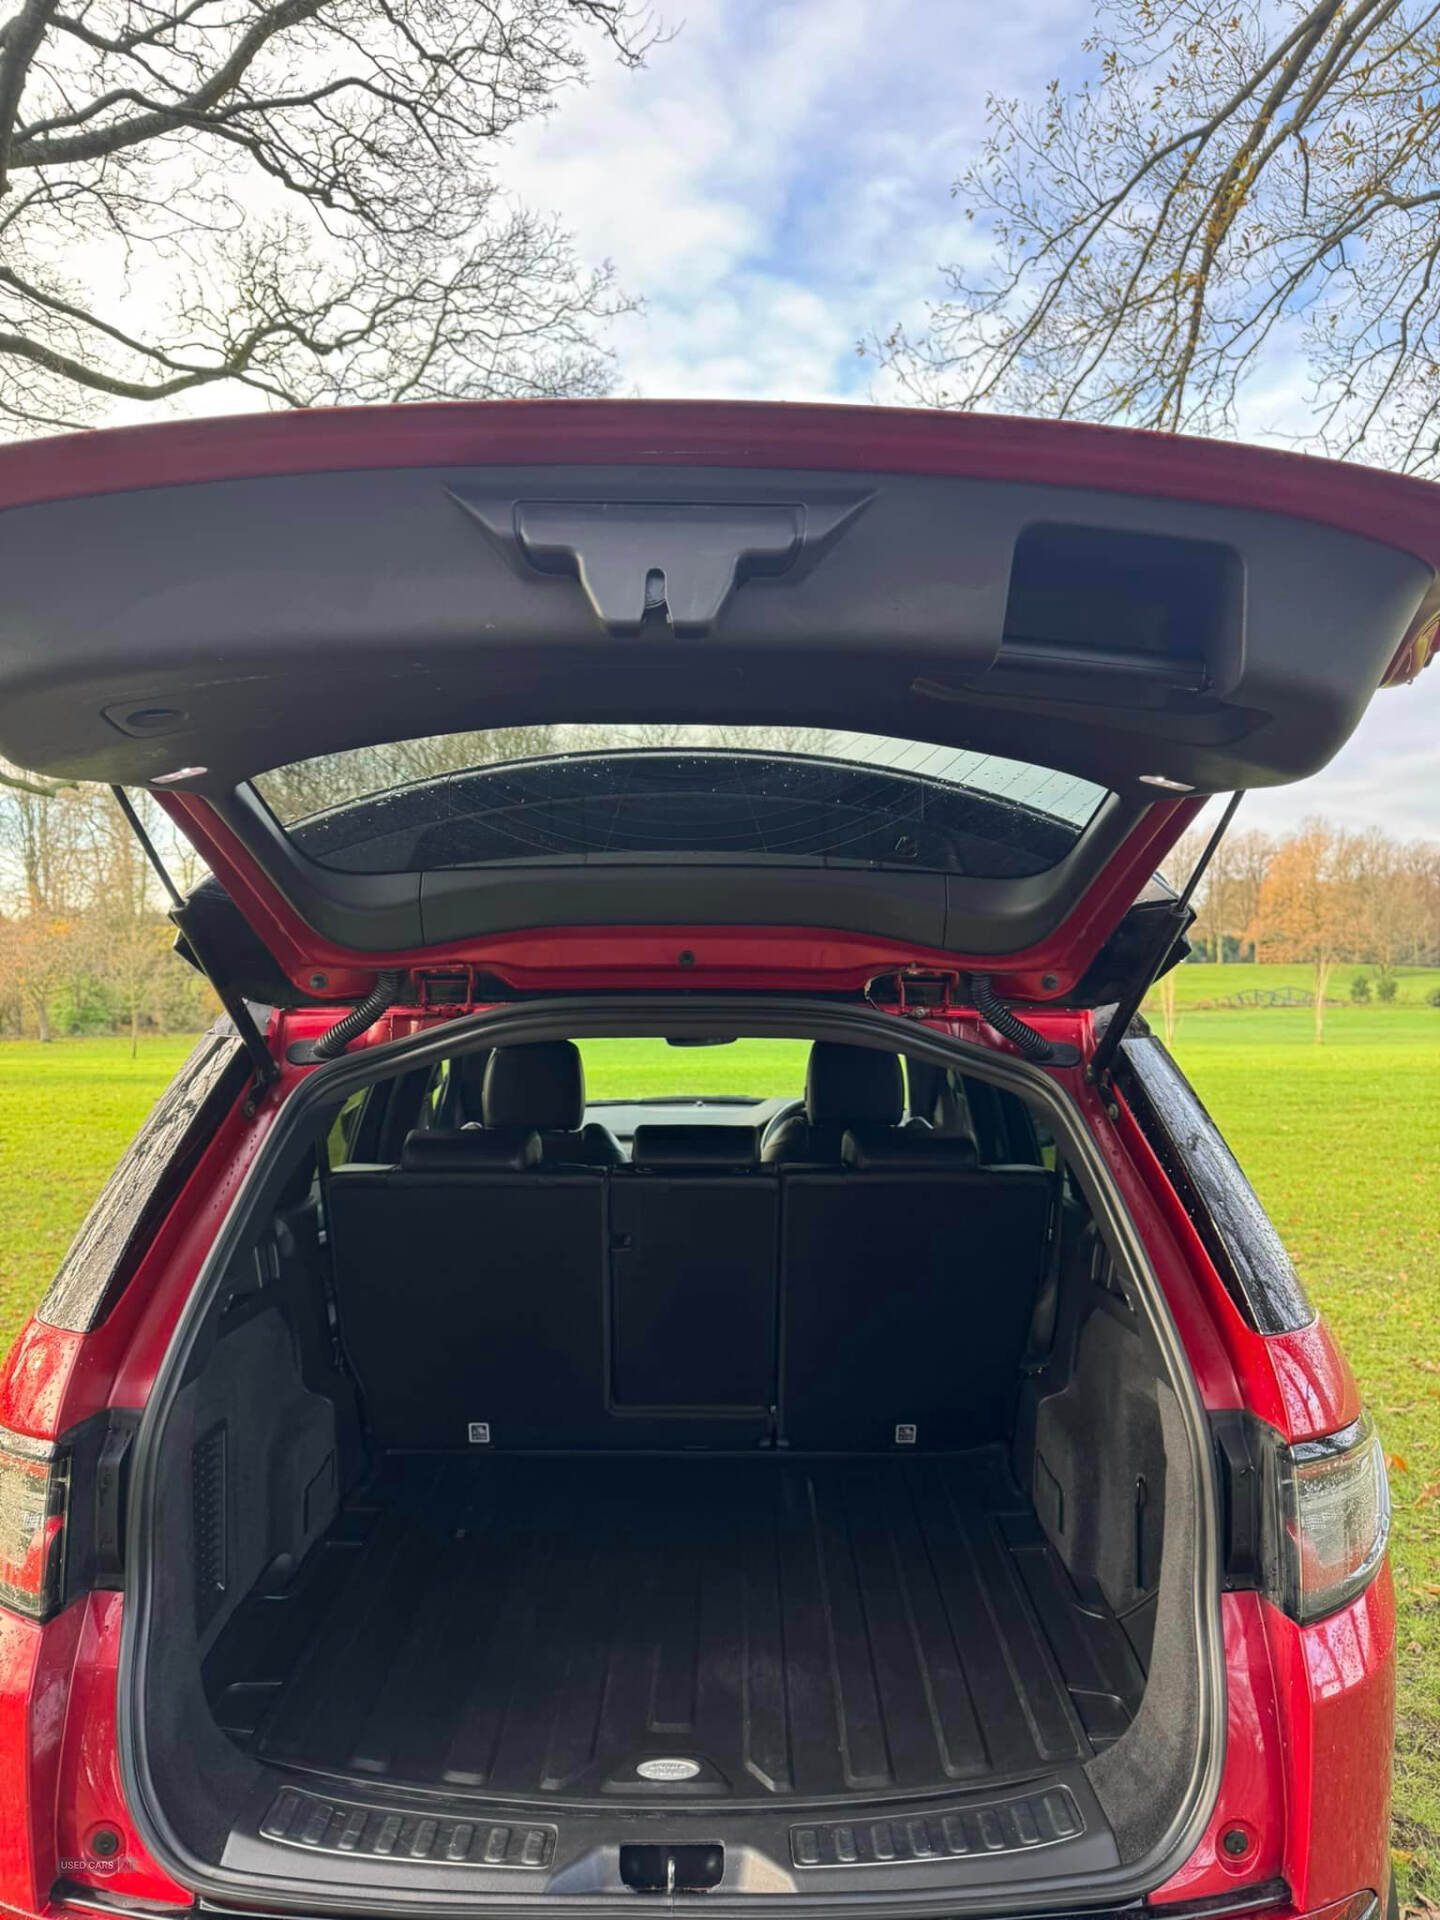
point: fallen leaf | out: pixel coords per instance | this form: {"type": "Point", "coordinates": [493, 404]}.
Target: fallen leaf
{"type": "Point", "coordinates": [1397, 1463]}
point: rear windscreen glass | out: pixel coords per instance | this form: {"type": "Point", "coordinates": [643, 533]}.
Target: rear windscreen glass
{"type": "Point", "coordinates": [573, 794]}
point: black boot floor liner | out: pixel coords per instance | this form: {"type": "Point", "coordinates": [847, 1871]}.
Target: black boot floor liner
{"type": "Point", "coordinates": [543, 1626]}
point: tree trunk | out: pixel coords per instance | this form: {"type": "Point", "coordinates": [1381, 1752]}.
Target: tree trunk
{"type": "Point", "coordinates": [42, 1014]}
{"type": "Point", "coordinates": [1322, 981]}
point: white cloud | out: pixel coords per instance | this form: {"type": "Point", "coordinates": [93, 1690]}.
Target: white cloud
{"type": "Point", "coordinates": [776, 182]}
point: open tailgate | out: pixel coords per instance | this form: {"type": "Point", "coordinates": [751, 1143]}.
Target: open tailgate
{"type": "Point", "coordinates": [186, 607]}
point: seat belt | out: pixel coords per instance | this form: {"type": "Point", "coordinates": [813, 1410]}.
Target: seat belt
{"type": "Point", "coordinates": [1041, 1338]}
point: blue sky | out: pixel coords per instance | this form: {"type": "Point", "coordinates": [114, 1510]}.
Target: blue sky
{"type": "Point", "coordinates": [776, 183]}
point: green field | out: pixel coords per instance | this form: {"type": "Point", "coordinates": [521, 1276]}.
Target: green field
{"type": "Point", "coordinates": [1343, 1142]}
{"type": "Point", "coordinates": [1204, 981]}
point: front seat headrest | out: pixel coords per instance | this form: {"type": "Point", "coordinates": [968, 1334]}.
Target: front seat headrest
{"type": "Point", "coordinates": [541, 1084]}
{"type": "Point", "coordinates": [853, 1083]}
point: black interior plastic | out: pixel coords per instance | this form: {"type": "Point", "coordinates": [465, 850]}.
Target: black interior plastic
{"type": "Point", "coordinates": [802, 1628]}
{"type": "Point", "coordinates": [234, 626]}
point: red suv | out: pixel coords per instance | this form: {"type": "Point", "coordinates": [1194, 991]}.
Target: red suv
{"type": "Point", "coordinates": [918, 1487]}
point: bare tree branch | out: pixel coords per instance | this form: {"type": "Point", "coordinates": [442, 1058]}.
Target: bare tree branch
{"type": "Point", "coordinates": [297, 197]}
{"type": "Point", "coordinates": [1232, 179]}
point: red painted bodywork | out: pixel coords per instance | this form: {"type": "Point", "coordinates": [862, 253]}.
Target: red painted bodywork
{"type": "Point", "coordinates": [1310, 1709]}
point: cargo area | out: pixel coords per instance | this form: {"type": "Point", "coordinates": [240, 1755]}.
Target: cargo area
{"type": "Point", "coordinates": [803, 1488]}
{"type": "Point", "coordinates": [789, 1627]}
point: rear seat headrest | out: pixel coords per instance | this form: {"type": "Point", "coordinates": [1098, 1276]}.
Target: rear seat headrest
{"type": "Point", "coordinates": [540, 1084]}
{"type": "Point", "coordinates": [917, 1148]}
{"type": "Point", "coordinates": [844, 1084]}
{"type": "Point", "coordinates": [696, 1147]}
{"type": "Point", "coordinates": [470, 1149]}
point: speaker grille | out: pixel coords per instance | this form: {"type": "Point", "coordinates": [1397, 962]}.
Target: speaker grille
{"type": "Point", "coordinates": [208, 1481]}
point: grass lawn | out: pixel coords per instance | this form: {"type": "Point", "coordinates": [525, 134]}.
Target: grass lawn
{"type": "Point", "coordinates": [1342, 1141]}
{"type": "Point", "coordinates": [1204, 980]}
{"type": "Point", "coordinates": [67, 1112]}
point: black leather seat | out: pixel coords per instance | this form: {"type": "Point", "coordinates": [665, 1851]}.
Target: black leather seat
{"type": "Point", "coordinates": [542, 1085]}
{"type": "Point", "coordinates": [469, 1292]}
{"type": "Point", "coordinates": [694, 1226]}
{"type": "Point", "coordinates": [910, 1276]}
{"type": "Point", "coordinates": [844, 1087]}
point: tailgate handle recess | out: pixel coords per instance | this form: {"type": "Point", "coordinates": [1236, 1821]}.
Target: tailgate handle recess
{"type": "Point", "coordinates": [671, 561]}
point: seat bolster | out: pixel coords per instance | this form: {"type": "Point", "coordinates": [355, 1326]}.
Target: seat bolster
{"type": "Point", "coordinates": [593, 1148]}
{"type": "Point", "coordinates": [601, 1148]}
{"type": "Point", "coordinates": [789, 1141]}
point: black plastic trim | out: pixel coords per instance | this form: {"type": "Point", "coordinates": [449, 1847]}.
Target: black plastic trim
{"type": "Point", "coordinates": [1246, 1451]}
{"type": "Point", "coordinates": [394, 912]}
{"type": "Point", "coordinates": [1237, 1233]}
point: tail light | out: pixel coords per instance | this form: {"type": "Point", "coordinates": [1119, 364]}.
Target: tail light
{"type": "Point", "coordinates": [34, 1503]}
{"type": "Point", "coordinates": [1333, 1520]}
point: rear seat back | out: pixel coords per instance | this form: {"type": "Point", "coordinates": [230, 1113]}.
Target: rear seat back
{"type": "Point", "coordinates": [693, 1278]}
{"type": "Point", "coordinates": [910, 1279]}
{"type": "Point", "coordinates": [485, 1297]}
{"type": "Point", "coordinates": [468, 1290]}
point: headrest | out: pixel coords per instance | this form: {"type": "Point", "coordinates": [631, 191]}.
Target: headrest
{"type": "Point", "coordinates": [538, 1085]}
{"type": "Point", "coordinates": [915, 1149]}
{"type": "Point", "coordinates": [728, 1147]}
{"type": "Point", "coordinates": [843, 1084]}
{"type": "Point", "coordinates": [468, 1085]}
{"type": "Point", "coordinates": [470, 1149]}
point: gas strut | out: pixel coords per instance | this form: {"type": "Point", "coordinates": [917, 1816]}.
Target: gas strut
{"type": "Point", "coordinates": [1108, 1045]}
{"type": "Point", "coordinates": [181, 914]}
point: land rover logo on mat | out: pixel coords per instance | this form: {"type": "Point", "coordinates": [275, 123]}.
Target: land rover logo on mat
{"type": "Point", "coordinates": [668, 1769]}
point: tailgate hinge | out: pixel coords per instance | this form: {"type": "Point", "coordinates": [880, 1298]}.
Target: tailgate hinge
{"type": "Point", "coordinates": [920, 992]}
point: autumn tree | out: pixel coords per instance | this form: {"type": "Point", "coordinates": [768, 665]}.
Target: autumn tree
{"type": "Point", "coordinates": [1232, 175]}
{"type": "Point", "coordinates": [1228, 895]}
{"type": "Point", "coordinates": [1248, 855]}
{"type": "Point", "coordinates": [36, 954]}
{"type": "Point", "coordinates": [294, 198]}
{"type": "Point", "coordinates": [1306, 910]}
